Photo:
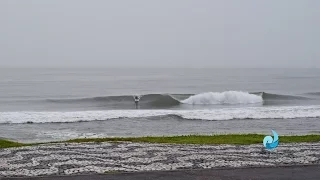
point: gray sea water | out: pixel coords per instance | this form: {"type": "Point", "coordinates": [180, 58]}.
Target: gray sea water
{"type": "Point", "coordinates": [39, 105]}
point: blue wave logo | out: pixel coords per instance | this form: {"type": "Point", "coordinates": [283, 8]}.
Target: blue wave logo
{"type": "Point", "coordinates": [271, 143]}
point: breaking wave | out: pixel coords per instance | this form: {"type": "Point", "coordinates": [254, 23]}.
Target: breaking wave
{"type": "Point", "coordinates": [163, 100]}
{"type": "Point", "coordinates": [217, 114]}
{"type": "Point", "coordinates": [228, 97]}
{"type": "Point", "coordinates": [156, 101]}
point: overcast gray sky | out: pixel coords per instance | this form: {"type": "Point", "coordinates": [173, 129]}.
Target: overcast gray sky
{"type": "Point", "coordinates": [160, 33]}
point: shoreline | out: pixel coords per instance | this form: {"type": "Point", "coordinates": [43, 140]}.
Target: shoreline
{"type": "Point", "coordinates": [141, 127]}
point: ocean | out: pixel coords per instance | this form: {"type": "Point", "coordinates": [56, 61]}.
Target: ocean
{"type": "Point", "coordinates": [38, 105]}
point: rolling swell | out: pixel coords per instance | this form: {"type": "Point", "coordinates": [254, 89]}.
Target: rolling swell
{"type": "Point", "coordinates": [171, 100]}
{"type": "Point", "coordinates": [269, 96]}
{"type": "Point", "coordinates": [279, 99]}
{"type": "Point", "coordinates": [313, 93]}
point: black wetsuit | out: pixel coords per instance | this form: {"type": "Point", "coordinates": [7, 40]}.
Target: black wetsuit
{"type": "Point", "coordinates": [136, 100]}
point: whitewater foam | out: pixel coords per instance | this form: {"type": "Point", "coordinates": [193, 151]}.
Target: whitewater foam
{"type": "Point", "coordinates": [207, 114]}
{"type": "Point", "coordinates": [68, 134]}
{"type": "Point", "coordinates": [227, 97]}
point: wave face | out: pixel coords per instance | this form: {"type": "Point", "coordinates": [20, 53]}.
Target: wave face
{"type": "Point", "coordinates": [217, 114]}
{"type": "Point", "coordinates": [228, 97]}
{"type": "Point", "coordinates": [146, 101]}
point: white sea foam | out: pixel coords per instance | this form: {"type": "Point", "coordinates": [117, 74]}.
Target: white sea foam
{"type": "Point", "coordinates": [227, 97]}
{"type": "Point", "coordinates": [67, 134]}
{"type": "Point", "coordinates": [213, 114]}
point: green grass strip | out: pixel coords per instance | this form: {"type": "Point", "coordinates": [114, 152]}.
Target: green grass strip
{"type": "Point", "coordinates": [8, 144]}
{"type": "Point", "coordinates": [240, 139]}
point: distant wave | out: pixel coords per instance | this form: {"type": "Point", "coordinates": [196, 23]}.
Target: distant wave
{"type": "Point", "coordinates": [218, 114]}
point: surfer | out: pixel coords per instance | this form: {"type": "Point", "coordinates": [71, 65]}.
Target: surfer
{"type": "Point", "coordinates": [136, 100]}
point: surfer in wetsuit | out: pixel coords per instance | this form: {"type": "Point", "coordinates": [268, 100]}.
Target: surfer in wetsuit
{"type": "Point", "coordinates": [136, 100]}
